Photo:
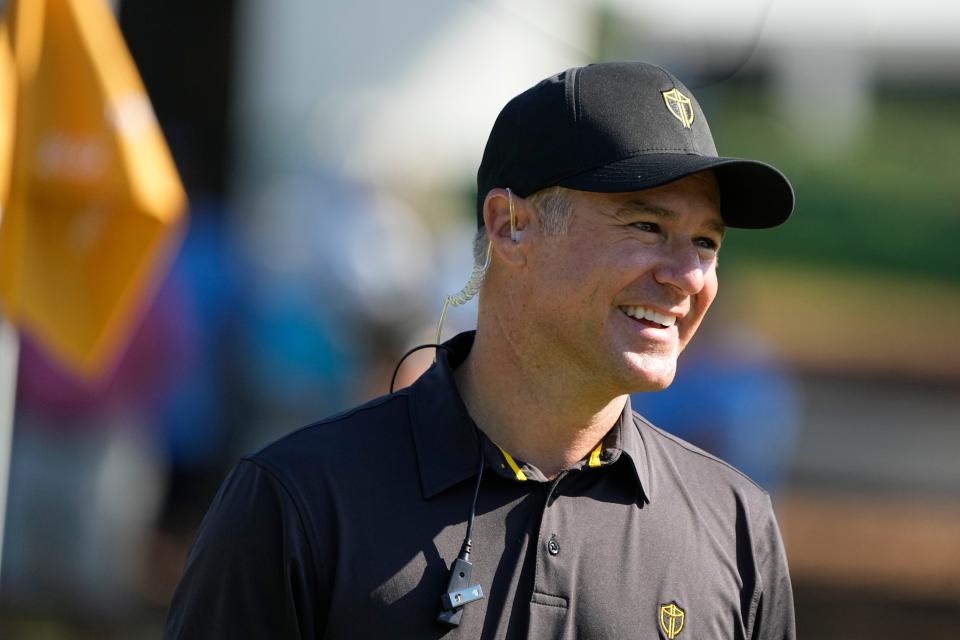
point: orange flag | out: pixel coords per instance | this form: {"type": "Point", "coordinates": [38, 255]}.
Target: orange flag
{"type": "Point", "coordinates": [95, 207]}
{"type": "Point", "coordinates": [8, 105]}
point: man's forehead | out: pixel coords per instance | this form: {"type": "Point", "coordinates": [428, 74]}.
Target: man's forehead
{"type": "Point", "coordinates": [664, 201]}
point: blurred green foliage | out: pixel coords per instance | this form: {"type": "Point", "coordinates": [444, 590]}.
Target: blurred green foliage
{"type": "Point", "coordinates": [888, 202]}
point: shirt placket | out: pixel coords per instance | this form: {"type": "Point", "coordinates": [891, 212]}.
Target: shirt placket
{"type": "Point", "coordinates": [550, 600]}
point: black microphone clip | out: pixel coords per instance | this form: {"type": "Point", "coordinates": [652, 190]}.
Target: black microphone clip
{"type": "Point", "coordinates": [459, 591]}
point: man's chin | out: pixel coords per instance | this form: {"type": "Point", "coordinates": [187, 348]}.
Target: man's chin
{"type": "Point", "coordinates": [650, 385]}
{"type": "Point", "coordinates": [652, 373]}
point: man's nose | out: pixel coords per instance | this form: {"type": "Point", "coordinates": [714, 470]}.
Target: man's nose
{"type": "Point", "coordinates": [681, 267]}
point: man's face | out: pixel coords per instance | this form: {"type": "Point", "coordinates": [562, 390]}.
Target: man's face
{"type": "Point", "coordinates": [618, 297]}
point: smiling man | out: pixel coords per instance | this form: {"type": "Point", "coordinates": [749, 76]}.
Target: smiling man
{"type": "Point", "coordinates": [574, 321]}
{"type": "Point", "coordinates": [511, 492]}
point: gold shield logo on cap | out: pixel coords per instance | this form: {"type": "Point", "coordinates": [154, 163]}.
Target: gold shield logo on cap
{"type": "Point", "coordinates": [671, 620]}
{"type": "Point", "coordinates": [679, 105]}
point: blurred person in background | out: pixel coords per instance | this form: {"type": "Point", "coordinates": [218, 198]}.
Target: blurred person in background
{"type": "Point", "coordinates": [511, 491]}
{"type": "Point", "coordinates": [333, 281]}
{"type": "Point", "coordinates": [201, 408]}
{"type": "Point", "coordinates": [88, 470]}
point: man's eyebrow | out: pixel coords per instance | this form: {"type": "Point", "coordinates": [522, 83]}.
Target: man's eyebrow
{"type": "Point", "coordinates": [667, 214]}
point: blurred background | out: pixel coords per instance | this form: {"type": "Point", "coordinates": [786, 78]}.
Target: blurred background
{"type": "Point", "coordinates": [329, 151]}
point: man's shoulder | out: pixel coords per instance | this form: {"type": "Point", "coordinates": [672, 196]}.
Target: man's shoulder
{"type": "Point", "coordinates": [677, 460]}
{"type": "Point", "coordinates": [356, 436]}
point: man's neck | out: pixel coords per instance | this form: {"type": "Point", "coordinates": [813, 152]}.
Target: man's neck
{"type": "Point", "coordinates": [536, 418]}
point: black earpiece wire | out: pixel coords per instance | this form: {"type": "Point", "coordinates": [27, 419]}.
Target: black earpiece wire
{"type": "Point", "coordinates": [393, 378]}
{"type": "Point", "coordinates": [459, 590]}
{"type": "Point", "coordinates": [468, 539]}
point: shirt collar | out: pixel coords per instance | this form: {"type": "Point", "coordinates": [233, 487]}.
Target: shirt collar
{"type": "Point", "coordinates": [444, 435]}
{"type": "Point", "coordinates": [446, 439]}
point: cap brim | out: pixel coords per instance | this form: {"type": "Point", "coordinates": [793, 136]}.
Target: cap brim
{"type": "Point", "coordinates": [753, 195]}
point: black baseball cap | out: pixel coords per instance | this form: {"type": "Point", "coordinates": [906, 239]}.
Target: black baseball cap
{"type": "Point", "coordinates": [621, 126]}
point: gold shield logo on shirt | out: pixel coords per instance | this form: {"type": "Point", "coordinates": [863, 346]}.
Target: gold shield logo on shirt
{"type": "Point", "coordinates": [671, 620]}
{"type": "Point", "coordinates": [679, 105]}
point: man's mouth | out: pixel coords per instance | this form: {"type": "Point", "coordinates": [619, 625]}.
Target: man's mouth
{"type": "Point", "coordinates": [651, 317]}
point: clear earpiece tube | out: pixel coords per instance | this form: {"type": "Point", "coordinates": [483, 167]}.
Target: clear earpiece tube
{"type": "Point", "coordinates": [472, 287]}
{"type": "Point", "coordinates": [468, 292]}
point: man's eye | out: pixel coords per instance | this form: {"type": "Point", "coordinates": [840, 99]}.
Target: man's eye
{"type": "Point", "coordinates": [707, 243]}
{"type": "Point", "coordinates": [651, 227]}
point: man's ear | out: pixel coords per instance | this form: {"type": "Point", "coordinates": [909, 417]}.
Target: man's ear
{"type": "Point", "coordinates": [510, 242]}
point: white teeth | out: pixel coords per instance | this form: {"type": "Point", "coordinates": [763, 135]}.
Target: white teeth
{"type": "Point", "coordinates": [642, 313]}
{"type": "Point", "coordinates": [662, 319]}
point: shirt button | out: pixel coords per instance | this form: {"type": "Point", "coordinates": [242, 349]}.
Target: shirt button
{"type": "Point", "coordinates": [553, 546]}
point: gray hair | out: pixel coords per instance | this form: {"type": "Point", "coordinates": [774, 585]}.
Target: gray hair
{"type": "Point", "coordinates": [554, 212]}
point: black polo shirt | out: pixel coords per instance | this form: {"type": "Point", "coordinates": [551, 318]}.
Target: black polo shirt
{"type": "Point", "coordinates": [346, 529]}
